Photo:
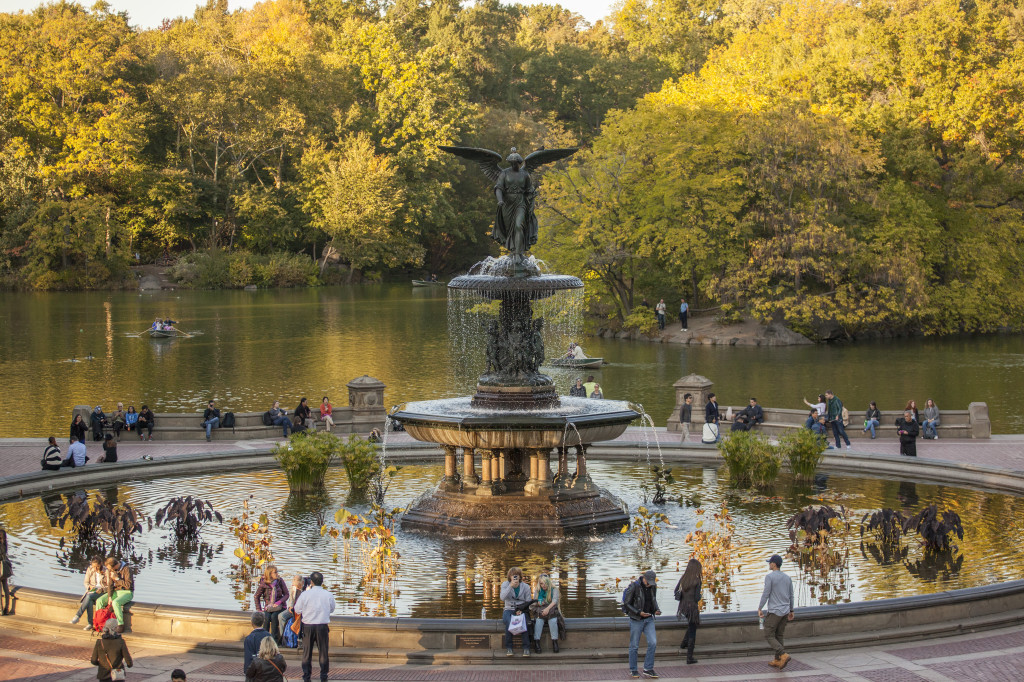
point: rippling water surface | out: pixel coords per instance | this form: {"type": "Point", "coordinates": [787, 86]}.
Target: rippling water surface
{"type": "Point", "coordinates": [457, 578]}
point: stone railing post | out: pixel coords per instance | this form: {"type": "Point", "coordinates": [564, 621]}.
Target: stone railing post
{"type": "Point", "coordinates": [977, 417]}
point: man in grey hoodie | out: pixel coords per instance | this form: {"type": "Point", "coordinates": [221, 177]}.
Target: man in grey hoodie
{"type": "Point", "coordinates": [778, 595]}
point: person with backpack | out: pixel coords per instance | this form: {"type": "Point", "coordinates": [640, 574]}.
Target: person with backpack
{"type": "Point", "coordinates": [211, 420]}
{"type": "Point", "coordinates": [110, 653]}
{"type": "Point", "coordinates": [687, 593]}
{"type": "Point", "coordinates": [834, 406]}
{"type": "Point", "coordinates": [120, 589]}
{"type": "Point", "coordinates": [640, 603]}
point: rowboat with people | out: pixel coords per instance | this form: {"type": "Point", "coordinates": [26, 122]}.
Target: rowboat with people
{"type": "Point", "coordinates": [575, 357]}
{"type": "Point", "coordinates": [427, 283]}
{"type": "Point", "coordinates": [164, 329]}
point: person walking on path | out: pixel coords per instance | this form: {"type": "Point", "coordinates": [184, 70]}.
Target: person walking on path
{"type": "Point", "coordinates": [907, 428]}
{"type": "Point", "coordinates": [684, 310]}
{"type": "Point", "coordinates": [686, 417]}
{"type": "Point", "coordinates": [252, 642]}
{"type": "Point", "coordinates": [268, 665]}
{"type": "Point", "coordinates": [659, 312]}
{"type": "Point", "coordinates": [778, 596]}
{"type": "Point", "coordinates": [211, 420]}
{"type": "Point", "coordinates": [6, 571]}
{"type": "Point", "coordinates": [120, 588]}
{"type": "Point", "coordinates": [711, 414]}
{"type": "Point", "coordinates": [835, 416]}
{"type": "Point", "coordinates": [315, 607]}
{"type": "Point", "coordinates": [110, 652]}
{"type": "Point", "coordinates": [687, 593]}
{"type": "Point", "coordinates": [640, 603]}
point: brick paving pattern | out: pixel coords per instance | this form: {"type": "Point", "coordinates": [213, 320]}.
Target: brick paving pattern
{"type": "Point", "coordinates": [891, 675]}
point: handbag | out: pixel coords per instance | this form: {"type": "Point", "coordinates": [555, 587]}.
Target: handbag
{"type": "Point", "coordinates": [279, 672]}
{"type": "Point", "coordinates": [296, 624]}
{"type": "Point", "coordinates": [517, 625]}
{"type": "Point", "coordinates": [115, 673]}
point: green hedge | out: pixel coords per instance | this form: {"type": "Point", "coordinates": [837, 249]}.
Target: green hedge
{"type": "Point", "coordinates": [222, 270]}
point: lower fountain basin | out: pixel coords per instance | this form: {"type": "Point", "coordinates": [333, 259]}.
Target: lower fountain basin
{"type": "Point", "coordinates": [456, 422]}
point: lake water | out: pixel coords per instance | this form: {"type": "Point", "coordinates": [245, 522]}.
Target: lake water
{"type": "Point", "coordinates": [441, 577]}
{"type": "Point", "coordinates": [283, 344]}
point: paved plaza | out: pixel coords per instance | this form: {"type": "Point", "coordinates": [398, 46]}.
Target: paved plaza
{"type": "Point", "coordinates": [994, 655]}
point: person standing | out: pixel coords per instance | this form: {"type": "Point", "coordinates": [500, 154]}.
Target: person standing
{"type": "Point", "coordinates": [253, 640]}
{"type": "Point", "coordinates": [872, 418]}
{"type": "Point", "coordinates": [659, 312]}
{"type": "Point", "coordinates": [588, 385]}
{"type": "Point", "coordinates": [211, 420]}
{"type": "Point", "coordinates": [6, 571]}
{"type": "Point", "coordinates": [76, 454]}
{"type": "Point", "coordinates": [315, 607]}
{"type": "Point", "coordinates": [687, 593]}
{"type": "Point", "coordinates": [110, 652]}
{"type": "Point", "coordinates": [686, 417]}
{"type": "Point", "coordinates": [52, 458]}
{"type": "Point", "coordinates": [778, 596]}
{"type": "Point", "coordinates": [268, 665]}
{"type": "Point", "coordinates": [835, 416]}
{"type": "Point", "coordinates": [684, 311]}
{"type": "Point", "coordinates": [327, 414]}
{"type": "Point", "coordinates": [78, 429]}
{"type": "Point", "coordinates": [907, 429]}
{"type": "Point", "coordinates": [640, 603]}
{"type": "Point", "coordinates": [711, 414]}
{"type": "Point", "coordinates": [577, 390]}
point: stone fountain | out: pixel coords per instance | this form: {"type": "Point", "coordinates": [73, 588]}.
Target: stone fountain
{"type": "Point", "coordinates": [501, 443]}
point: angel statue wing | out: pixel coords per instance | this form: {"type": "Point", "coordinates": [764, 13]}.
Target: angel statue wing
{"type": "Point", "coordinates": [543, 156]}
{"type": "Point", "coordinates": [485, 158]}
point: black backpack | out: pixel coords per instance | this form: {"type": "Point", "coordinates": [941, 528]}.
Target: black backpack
{"type": "Point", "coordinates": [267, 419]}
{"type": "Point", "coordinates": [228, 422]}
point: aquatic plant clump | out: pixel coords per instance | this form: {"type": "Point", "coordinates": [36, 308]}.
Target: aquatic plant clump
{"type": "Point", "coordinates": [936, 528]}
{"type": "Point", "coordinates": [305, 459]}
{"type": "Point", "coordinates": [100, 524]}
{"type": "Point", "coordinates": [751, 458]}
{"type": "Point", "coordinates": [188, 515]}
{"type": "Point", "coordinates": [805, 450]}
{"type": "Point", "coordinates": [645, 526]}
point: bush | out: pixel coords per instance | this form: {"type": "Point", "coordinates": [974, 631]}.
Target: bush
{"type": "Point", "coordinates": [306, 458]}
{"type": "Point", "coordinates": [805, 450]}
{"type": "Point", "coordinates": [641, 320]}
{"type": "Point", "coordinates": [752, 460]}
{"type": "Point", "coordinates": [359, 457]}
{"type": "Point", "coordinates": [217, 270]}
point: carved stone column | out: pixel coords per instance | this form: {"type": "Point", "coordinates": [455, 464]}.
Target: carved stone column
{"type": "Point", "coordinates": [532, 486]}
{"type": "Point", "coordinates": [581, 465]}
{"type": "Point", "coordinates": [468, 469]}
{"type": "Point", "coordinates": [502, 466]}
{"type": "Point", "coordinates": [544, 469]}
{"type": "Point", "coordinates": [485, 474]}
{"type": "Point", "coordinates": [496, 461]}
{"type": "Point", "coordinates": [563, 464]}
{"type": "Point", "coordinates": [449, 464]}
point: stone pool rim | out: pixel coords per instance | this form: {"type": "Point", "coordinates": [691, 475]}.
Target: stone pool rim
{"type": "Point", "coordinates": [896, 619]}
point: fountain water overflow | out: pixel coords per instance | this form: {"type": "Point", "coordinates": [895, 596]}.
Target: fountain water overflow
{"type": "Point", "coordinates": [500, 443]}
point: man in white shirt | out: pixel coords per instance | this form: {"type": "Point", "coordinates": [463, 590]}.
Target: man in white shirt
{"type": "Point", "coordinates": [315, 605]}
{"type": "Point", "coordinates": [76, 454]}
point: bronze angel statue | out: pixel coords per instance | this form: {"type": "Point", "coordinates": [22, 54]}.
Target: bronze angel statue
{"type": "Point", "coordinates": [515, 224]}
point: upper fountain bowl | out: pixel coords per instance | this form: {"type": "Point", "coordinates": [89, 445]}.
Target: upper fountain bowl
{"type": "Point", "coordinates": [495, 278]}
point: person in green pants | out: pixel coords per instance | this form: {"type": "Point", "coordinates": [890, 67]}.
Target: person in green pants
{"type": "Point", "coordinates": [120, 589]}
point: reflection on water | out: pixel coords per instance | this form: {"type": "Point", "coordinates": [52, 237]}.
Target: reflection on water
{"type": "Point", "coordinates": [457, 578]}
{"type": "Point", "coordinates": [245, 357]}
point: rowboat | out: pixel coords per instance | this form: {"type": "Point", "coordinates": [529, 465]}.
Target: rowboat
{"type": "Point", "coordinates": [575, 362]}
{"type": "Point", "coordinates": [425, 283]}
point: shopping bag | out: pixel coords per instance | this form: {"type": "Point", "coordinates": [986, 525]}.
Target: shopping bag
{"type": "Point", "coordinates": [517, 625]}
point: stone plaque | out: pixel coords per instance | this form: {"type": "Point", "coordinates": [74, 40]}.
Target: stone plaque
{"type": "Point", "coordinates": [472, 641]}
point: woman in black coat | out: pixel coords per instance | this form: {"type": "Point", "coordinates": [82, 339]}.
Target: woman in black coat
{"type": "Point", "coordinates": [687, 593]}
{"type": "Point", "coordinates": [78, 428]}
{"type": "Point", "coordinates": [269, 665]}
{"type": "Point", "coordinates": [907, 428]}
{"type": "Point", "coordinates": [110, 652]}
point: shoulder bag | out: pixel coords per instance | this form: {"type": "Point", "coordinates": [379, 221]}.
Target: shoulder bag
{"type": "Point", "coordinates": [115, 673]}
{"type": "Point", "coordinates": [296, 624]}
{"type": "Point", "coordinates": [279, 672]}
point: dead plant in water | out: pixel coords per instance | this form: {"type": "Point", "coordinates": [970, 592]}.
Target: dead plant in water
{"type": "Point", "coordinates": [254, 545]}
{"type": "Point", "coordinates": [821, 547]}
{"type": "Point", "coordinates": [645, 526]}
{"type": "Point", "coordinates": [936, 528]}
{"type": "Point", "coordinates": [711, 541]}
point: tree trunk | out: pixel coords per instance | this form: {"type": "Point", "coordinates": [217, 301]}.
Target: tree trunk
{"type": "Point", "coordinates": [107, 246]}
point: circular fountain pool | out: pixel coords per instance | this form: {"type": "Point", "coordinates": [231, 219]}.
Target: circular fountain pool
{"type": "Point", "coordinates": [456, 578]}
